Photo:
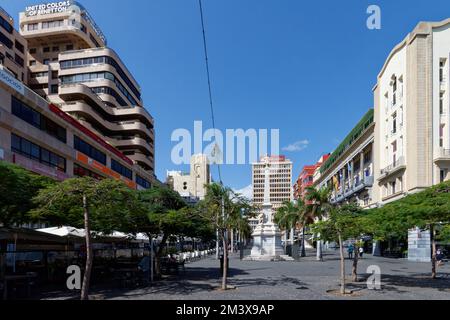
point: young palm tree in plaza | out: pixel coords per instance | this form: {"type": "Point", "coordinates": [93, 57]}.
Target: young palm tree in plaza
{"type": "Point", "coordinates": [225, 211]}
{"type": "Point", "coordinates": [319, 208]}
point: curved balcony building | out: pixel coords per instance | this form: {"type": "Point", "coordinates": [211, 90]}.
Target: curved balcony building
{"type": "Point", "coordinates": [71, 65]}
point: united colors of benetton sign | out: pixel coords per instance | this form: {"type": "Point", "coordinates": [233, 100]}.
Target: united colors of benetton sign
{"type": "Point", "coordinates": [48, 8]}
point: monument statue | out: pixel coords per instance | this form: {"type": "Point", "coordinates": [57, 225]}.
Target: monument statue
{"type": "Point", "coordinates": [267, 236]}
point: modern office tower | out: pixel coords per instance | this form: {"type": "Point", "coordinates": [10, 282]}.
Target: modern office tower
{"type": "Point", "coordinates": [412, 145]}
{"type": "Point", "coordinates": [41, 137]}
{"type": "Point", "coordinates": [306, 178]}
{"type": "Point", "coordinates": [192, 185]}
{"type": "Point", "coordinates": [13, 48]}
{"type": "Point", "coordinates": [71, 66]}
{"type": "Point", "coordinates": [348, 172]}
{"type": "Point", "coordinates": [280, 180]}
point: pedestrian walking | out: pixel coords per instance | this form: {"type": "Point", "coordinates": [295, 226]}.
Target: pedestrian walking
{"type": "Point", "coordinates": [361, 252]}
{"type": "Point", "coordinates": [350, 250]}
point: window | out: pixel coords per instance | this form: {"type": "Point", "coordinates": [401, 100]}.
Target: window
{"type": "Point", "coordinates": [32, 63]}
{"type": "Point", "coordinates": [33, 51]}
{"type": "Point", "coordinates": [393, 187]}
{"type": "Point", "coordinates": [394, 123]}
{"type": "Point", "coordinates": [54, 89]}
{"type": "Point", "coordinates": [441, 70]}
{"type": "Point", "coordinates": [5, 40]}
{"type": "Point", "coordinates": [122, 170]}
{"type": "Point", "coordinates": [76, 63]}
{"type": "Point", "coordinates": [46, 49]}
{"type": "Point", "coordinates": [6, 25]}
{"type": "Point", "coordinates": [31, 116]}
{"type": "Point", "coordinates": [54, 74]}
{"type": "Point", "coordinates": [32, 26]}
{"type": "Point", "coordinates": [52, 24]}
{"type": "Point", "coordinates": [443, 175]}
{"type": "Point", "coordinates": [55, 49]}
{"type": "Point", "coordinates": [19, 60]}
{"type": "Point", "coordinates": [143, 182]}
{"type": "Point", "coordinates": [441, 103]}
{"type": "Point", "coordinates": [83, 28]}
{"type": "Point", "coordinates": [441, 135]}
{"type": "Point", "coordinates": [19, 46]}
{"type": "Point", "coordinates": [89, 150]}
{"type": "Point", "coordinates": [69, 47]}
{"type": "Point", "coordinates": [35, 152]}
{"type": "Point", "coordinates": [39, 74]}
{"type": "Point", "coordinates": [88, 77]}
{"type": "Point", "coordinates": [46, 62]}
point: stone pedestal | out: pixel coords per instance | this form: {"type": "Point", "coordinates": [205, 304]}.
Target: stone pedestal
{"type": "Point", "coordinates": [267, 243]}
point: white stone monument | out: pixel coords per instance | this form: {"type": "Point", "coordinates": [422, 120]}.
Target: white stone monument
{"type": "Point", "coordinates": [267, 236]}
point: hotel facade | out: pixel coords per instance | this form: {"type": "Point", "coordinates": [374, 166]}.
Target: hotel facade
{"type": "Point", "coordinates": [71, 107]}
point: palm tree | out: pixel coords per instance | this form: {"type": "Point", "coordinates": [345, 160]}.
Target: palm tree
{"type": "Point", "coordinates": [224, 208]}
{"type": "Point", "coordinates": [286, 217]}
{"type": "Point", "coordinates": [319, 208]}
{"type": "Point", "coordinates": [304, 219]}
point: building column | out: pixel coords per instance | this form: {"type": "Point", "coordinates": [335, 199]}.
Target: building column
{"type": "Point", "coordinates": [352, 175]}
{"type": "Point", "coordinates": [361, 169]}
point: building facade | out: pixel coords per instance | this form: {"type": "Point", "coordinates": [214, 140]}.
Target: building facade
{"type": "Point", "coordinates": [36, 132]}
{"type": "Point", "coordinates": [71, 66]}
{"type": "Point", "coordinates": [349, 171]}
{"type": "Point", "coordinates": [306, 178]}
{"type": "Point", "coordinates": [280, 180]}
{"type": "Point", "coordinates": [412, 114]}
{"type": "Point", "coordinates": [193, 184]}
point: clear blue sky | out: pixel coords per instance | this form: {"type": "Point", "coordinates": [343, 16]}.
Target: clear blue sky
{"type": "Point", "coordinates": [305, 67]}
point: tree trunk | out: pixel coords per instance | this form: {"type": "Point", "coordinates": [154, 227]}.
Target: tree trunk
{"type": "Point", "coordinates": [319, 255]}
{"type": "Point", "coordinates": [433, 251]}
{"type": "Point", "coordinates": [355, 264]}
{"type": "Point", "coordinates": [89, 256]}
{"type": "Point", "coordinates": [285, 241]}
{"type": "Point", "coordinates": [341, 251]}
{"type": "Point", "coordinates": [158, 255]}
{"type": "Point", "coordinates": [225, 264]}
{"type": "Point", "coordinates": [303, 243]}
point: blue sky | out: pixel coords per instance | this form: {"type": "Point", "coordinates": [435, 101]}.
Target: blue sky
{"type": "Point", "coordinates": [304, 67]}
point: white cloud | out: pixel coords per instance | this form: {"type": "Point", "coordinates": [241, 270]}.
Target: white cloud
{"type": "Point", "coordinates": [297, 146]}
{"type": "Point", "coordinates": [246, 192]}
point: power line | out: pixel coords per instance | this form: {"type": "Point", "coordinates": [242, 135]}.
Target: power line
{"type": "Point", "coordinates": [209, 82]}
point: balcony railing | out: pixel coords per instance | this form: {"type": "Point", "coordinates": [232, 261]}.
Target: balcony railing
{"type": "Point", "coordinates": [6, 14]}
{"type": "Point", "coordinates": [400, 162]}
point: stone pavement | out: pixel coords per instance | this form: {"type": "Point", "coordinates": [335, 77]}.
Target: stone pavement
{"type": "Point", "coordinates": [306, 279]}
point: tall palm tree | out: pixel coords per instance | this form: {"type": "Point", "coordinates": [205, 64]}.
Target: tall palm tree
{"type": "Point", "coordinates": [320, 206]}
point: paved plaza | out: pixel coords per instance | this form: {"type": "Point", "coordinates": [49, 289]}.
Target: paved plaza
{"type": "Point", "coordinates": [306, 279]}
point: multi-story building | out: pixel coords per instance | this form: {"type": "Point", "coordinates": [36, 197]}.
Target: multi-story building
{"type": "Point", "coordinates": [71, 66]}
{"type": "Point", "coordinates": [412, 145]}
{"type": "Point", "coordinates": [39, 136]}
{"type": "Point", "coordinates": [192, 185]}
{"type": "Point", "coordinates": [348, 172]}
{"type": "Point", "coordinates": [306, 178]}
{"type": "Point", "coordinates": [280, 180]}
{"type": "Point", "coordinates": [13, 48]}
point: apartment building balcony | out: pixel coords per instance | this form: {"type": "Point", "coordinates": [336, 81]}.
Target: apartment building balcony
{"type": "Point", "coordinates": [395, 167]}
{"type": "Point", "coordinates": [349, 191]}
{"type": "Point", "coordinates": [443, 156]}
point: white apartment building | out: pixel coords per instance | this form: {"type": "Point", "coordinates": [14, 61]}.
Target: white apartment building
{"type": "Point", "coordinates": [193, 184]}
{"type": "Point", "coordinates": [280, 180]}
{"type": "Point", "coordinates": [412, 146]}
